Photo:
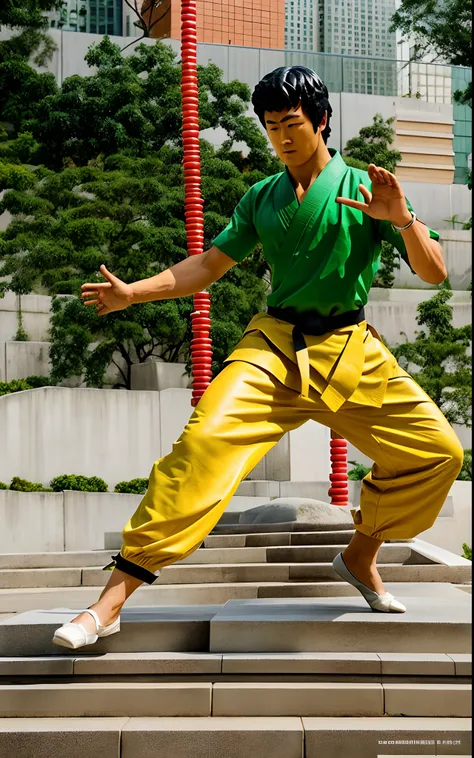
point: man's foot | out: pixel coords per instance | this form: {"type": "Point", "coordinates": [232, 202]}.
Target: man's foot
{"type": "Point", "coordinates": [368, 575]}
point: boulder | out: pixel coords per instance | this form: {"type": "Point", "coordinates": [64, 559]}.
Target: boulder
{"type": "Point", "coordinates": [302, 510]}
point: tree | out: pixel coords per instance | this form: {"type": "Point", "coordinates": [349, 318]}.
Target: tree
{"type": "Point", "coordinates": [373, 145]}
{"type": "Point", "coordinates": [438, 358]}
{"type": "Point", "coordinates": [126, 209]}
{"type": "Point", "coordinates": [442, 27]}
{"type": "Point", "coordinates": [20, 85]}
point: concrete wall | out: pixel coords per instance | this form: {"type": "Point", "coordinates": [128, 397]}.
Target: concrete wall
{"type": "Point", "coordinates": [52, 522]}
{"type": "Point", "coordinates": [118, 436]}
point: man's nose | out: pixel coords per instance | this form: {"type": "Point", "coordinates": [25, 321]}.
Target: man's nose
{"type": "Point", "coordinates": [286, 139]}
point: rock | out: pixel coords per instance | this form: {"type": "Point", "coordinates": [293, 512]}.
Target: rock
{"type": "Point", "coordinates": [303, 510]}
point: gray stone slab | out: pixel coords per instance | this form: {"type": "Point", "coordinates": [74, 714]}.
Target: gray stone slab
{"type": "Point", "coordinates": [162, 664]}
{"type": "Point", "coordinates": [342, 589]}
{"type": "Point", "coordinates": [231, 540]}
{"type": "Point", "coordinates": [37, 577]}
{"type": "Point", "coordinates": [303, 663]}
{"type": "Point", "coordinates": [213, 738]}
{"type": "Point", "coordinates": [226, 555]}
{"type": "Point", "coordinates": [36, 666]}
{"type": "Point", "coordinates": [74, 738]}
{"type": "Point", "coordinates": [430, 625]}
{"type": "Point", "coordinates": [172, 629]}
{"type": "Point", "coordinates": [388, 572]}
{"type": "Point", "coordinates": [98, 699]}
{"type": "Point", "coordinates": [371, 737]}
{"type": "Point", "coordinates": [297, 699]}
{"type": "Point", "coordinates": [442, 700]}
{"type": "Point", "coordinates": [462, 663]}
{"type": "Point", "coordinates": [326, 553]}
{"type": "Point", "coordinates": [417, 664]}
{"type": "Point", "coordinates": [55, 560]}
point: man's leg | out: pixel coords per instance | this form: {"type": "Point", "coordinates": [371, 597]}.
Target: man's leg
{"type": "Point", "coordinates": [417, 456]}
{"type": "Point", "coordinates": [241, 416]}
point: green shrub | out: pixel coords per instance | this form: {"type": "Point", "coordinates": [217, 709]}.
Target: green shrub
{"type": "Point", "coordinates": [465, 474]}
{"type": "Point", "coordinates": [134, 486]}
{"type": "Point", "coordinates": [467, 551]}
{"type": "Point", "coordinates": [38, 381]}
{"type": "Point", "coordinates": [16, 385]}
{"type": "Point", "coordinates": [79, 483]}
{"type": "Point", "coordinates": [23, 485]}
{"type": "Point", "coordinates": [3, 486]}
{"type": "Point", "coordinates": [358, 472]}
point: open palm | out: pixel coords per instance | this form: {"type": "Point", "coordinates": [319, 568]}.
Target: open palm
{"type": "Point", "coordinates": [109, 296]}
{"type": "Point", "coordinates": [386, 201]}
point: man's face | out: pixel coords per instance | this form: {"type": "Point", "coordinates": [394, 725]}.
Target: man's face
{"type": "Point", "coordinates": [292, 135]}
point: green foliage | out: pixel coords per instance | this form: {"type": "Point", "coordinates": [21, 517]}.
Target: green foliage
{"type": "Point", "coordinates": [23, 485]}
{"type": "Point", "coordinates": [467, 551]}
{"type": "Point", "coordinates": [373, 144]}
{"type": "Point", "coordinates": [465, 475]}
{"type": "Point", "coordinates": [16, 385]}
{"type": "Point", "coordinates": [389, 260]}
{"type": "Point", "coordinates": [354, 163]}
{"type": "Point", "coordinates": [126, 208]}
{"type": "Point", "coordinates": [78, 482]}
{"type": "Point", "coordinates": [134, 486]}
{"type": "Point", "coordinates": [3, 486]}
{"type": "Point", "coordinates": [438, 358]}
{"type": "Point", "coordinates": [444, 28]}
{"type": "Point", "coordinates": [358, 472]}
{"type": "Point", "coordinates": [38, 381]}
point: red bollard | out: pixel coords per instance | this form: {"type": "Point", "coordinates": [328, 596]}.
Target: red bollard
{"type": "Point", "coordinates": [339, 490]}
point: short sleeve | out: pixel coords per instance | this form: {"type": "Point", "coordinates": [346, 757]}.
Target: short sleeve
{"type": "Point", "coordinates": [396, 239]}
{"type": "Point", "coordinates": [239, 237]}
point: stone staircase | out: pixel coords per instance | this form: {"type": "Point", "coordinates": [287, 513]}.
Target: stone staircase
{"type": "Point", "coordinates": [250, 647]}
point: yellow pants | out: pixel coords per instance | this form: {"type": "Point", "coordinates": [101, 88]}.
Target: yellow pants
{"type": "Point", "coordinates": [243, 414]}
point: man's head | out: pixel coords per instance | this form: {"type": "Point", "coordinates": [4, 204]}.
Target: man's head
{"type": "Point", "coordinates": [292, 104]}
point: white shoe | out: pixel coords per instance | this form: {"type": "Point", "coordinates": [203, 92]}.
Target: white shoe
{"type": "Point", "coordinates": [74, 635]}
{"type": "Point", "coordinates": [385, 603]}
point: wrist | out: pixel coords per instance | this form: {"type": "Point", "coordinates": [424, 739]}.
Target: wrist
{"type": "Point", "coordinates": [402, 220]}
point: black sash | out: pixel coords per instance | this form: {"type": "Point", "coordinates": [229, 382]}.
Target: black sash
{"type": "Point", "coordinates": [313, 323]}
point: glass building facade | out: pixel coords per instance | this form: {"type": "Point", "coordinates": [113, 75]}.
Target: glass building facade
{"type": "Point", "coordinates": [93, 16]}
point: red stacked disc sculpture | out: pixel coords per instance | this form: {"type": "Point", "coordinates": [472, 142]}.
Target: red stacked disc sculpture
{"type": "Point", "coordinates": [339, 490]}
{"type": "Point", "coordinates": [201, 344]}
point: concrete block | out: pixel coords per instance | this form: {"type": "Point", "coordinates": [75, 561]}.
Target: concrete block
{"type": "Point", "coordinates": [87, 517]}
{"type": "Point", "coordinates": [106, 699]}
{"type": "Point", "coordinates": [229, 573]}
{"type": "Point", "coordinates": [327, 553]}
{"type": "Point", "coordinates": [441, 700]}
{"type": "Point", "coordinates": [48, 577]}
{"type": "Point", "coordinates": [302, 510]}
{"type": "Point", "coordinates": [74, 738]}
{"type": "Point", "coordinates": [297, 699]}
{"type": "Point", "coordinates": [54, 560]}
{"type": "Point", "coordinates": [462, 663]}
{"type": "Point", "coordinates": [24, 359]}
{"type": "Point", "coordinates": [333, 737]}
{"type": "Point", "coordinates": [259, 488]}
{"type": "Point", "coordinates": [308, 462]}
{"type": "Point", "coordinates": [416, 664]}
{"type": "Point", "coordinates": [231, 541]}
{"type": "Point", "coordinates": [213, 737]}
{"type": "Point", "coordinates": [182, 629]}
{"type": "Point", "coordinates": [150, 664]}
{"type": "Point", "coordinates": [366, 664]}
{"type": "Point", "coordinates": [36, 666]}
{"type": "Point", "coordinates": [31, 521]}
{"type": "Point", "coordinates": [175, 412]}
{"type": "Point", "coordinates": [155, 375]}
{"type": "Point", "coordinates": [345, 624]}
{"type": "Point", "coordinates": [226, 555]}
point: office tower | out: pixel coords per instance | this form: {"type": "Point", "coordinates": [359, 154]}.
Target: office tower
{"type": "Point", "coordinates": [93, 16]}
{"type": "Point", "coordinates": [250, 23]}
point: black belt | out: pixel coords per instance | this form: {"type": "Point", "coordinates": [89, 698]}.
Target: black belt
{"type": "Point", "coordinates": [313, 323]}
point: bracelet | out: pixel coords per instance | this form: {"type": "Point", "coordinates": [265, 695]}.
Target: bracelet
{"type": "Point", "coordinates": [410, 223]}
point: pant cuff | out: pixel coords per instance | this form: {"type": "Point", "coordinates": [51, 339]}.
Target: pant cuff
{"type": "Point", "coordinates": [132, 569]}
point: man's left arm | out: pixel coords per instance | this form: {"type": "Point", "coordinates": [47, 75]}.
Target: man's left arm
{"type": "Point", "coordinates": [387, 203]}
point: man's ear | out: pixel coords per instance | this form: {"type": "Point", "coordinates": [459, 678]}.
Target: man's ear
{"type": "Point", "coordinates": [324, 122]}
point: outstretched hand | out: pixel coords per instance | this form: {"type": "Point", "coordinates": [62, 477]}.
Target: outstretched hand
{"type": "Point", "coordinates": [386, 201]}
{"type": "Point", "coordinates": [113, 295]}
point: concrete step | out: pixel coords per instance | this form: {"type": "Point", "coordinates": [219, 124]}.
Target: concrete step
{"type": "Point", "coordinates": [135, 666]}
{"type": "Point", "coordinates": [194, 573]}
{"type": "Point", "coordinates": [234, 737]}
{"type": "Point", "coordinates": [204, 699]}
{"type": "Point", "coordinates": [430, 625]}
{"type": "Point", "coordinates": [26, 599]}
{"type": "Point", "coordinates": [390, 553]}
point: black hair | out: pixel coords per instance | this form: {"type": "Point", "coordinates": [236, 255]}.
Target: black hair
{"type": "Point", "coordinates": [289, 86]}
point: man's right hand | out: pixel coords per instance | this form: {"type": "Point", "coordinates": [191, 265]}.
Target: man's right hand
{"type": "Point", "coordinates": [107, 297]}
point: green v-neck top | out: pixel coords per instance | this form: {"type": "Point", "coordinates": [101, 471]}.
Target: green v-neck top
{"type": "Point", "coordinates": [328, 261]}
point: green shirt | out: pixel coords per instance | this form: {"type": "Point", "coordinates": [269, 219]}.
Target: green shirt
{"type": "Point", "coordinates": [323, 259]}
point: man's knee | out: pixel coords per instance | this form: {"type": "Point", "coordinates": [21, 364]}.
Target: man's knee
{"type": "Point", "coordinates": [453, 454]}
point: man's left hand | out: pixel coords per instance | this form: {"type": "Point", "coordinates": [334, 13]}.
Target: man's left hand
{"type": "Point", "coordinates": [385, 202]}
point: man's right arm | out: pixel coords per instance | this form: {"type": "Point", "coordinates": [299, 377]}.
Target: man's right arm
{"type": "Point", "coordinates": [189, 276]}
